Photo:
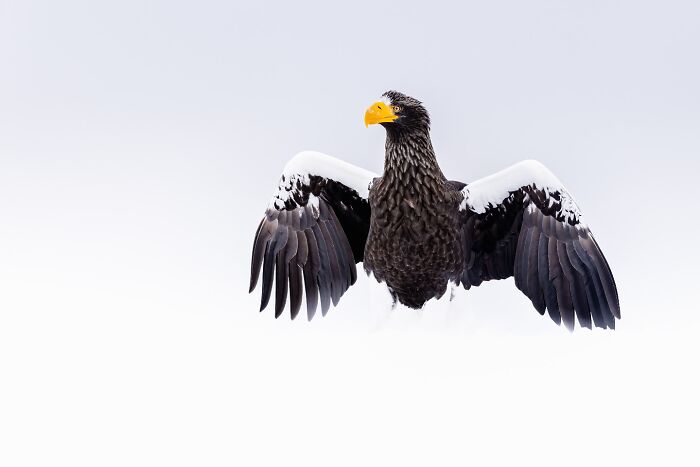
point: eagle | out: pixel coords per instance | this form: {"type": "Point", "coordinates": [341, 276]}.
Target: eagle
{"type": "Point", "coordinates": [418, 232]}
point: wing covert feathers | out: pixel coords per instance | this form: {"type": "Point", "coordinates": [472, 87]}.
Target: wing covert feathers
{"type": "Point", "coordinates": [312, 235]}
{"type": "Point", "coordinates": [537, 235]}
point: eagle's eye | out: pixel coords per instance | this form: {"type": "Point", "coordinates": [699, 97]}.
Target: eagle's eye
{"type": "Point", "coordinates": [397, 108]}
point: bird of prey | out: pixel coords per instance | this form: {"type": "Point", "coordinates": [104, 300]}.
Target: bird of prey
{"type": "Point", "coordinates": [417, 231]}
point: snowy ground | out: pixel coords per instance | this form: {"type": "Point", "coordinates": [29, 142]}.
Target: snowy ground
{"type": "Point", "coordinates": [143, 375]}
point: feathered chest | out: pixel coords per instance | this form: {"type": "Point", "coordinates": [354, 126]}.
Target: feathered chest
{"type": "Point", "coordinates": [411, 206]}
{"type": "Point", "coordinates": [414, 241]}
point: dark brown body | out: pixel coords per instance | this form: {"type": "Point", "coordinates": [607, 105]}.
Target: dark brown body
{"type": "Point", "coordinates": [417, 231]}
{"type": "Point", "coordinates": [414, 242]}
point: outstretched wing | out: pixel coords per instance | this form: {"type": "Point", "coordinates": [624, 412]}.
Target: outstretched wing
{"type": "Point", "coordinates": [522, 222]}
{"type": "Point", "coordinates": [313, 233]}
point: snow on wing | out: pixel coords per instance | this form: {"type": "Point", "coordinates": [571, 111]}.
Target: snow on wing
{"type": "Point", "coordinates": [313, 233]}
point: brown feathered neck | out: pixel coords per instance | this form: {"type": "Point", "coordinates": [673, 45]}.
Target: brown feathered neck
{"type": "Point", "coordinates": [410, 154]}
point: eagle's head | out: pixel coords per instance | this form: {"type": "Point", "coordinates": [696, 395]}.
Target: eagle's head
{"type": "Point", "coordinates": [398, 113]}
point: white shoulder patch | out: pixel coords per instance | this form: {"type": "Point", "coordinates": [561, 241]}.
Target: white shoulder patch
{"type": "Point", "coordinates": [304, 165]}
{"type": "Point", "coordinates": [492, 190]}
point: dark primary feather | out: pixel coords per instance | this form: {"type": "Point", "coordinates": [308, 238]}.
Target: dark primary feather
{"type": "Point", "coordinates": [310, 251]}
{"type": "Point", "coordinates": [555, 262]}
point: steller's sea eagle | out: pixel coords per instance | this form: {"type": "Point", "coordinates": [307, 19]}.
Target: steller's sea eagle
{"type": "Point", "coordinates": [417, 231]}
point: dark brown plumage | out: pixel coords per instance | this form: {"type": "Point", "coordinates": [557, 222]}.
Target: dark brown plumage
{"type": "Point", "coordinates": [419, 232]}
{"type": "Point", "coordinates": [414, 243]}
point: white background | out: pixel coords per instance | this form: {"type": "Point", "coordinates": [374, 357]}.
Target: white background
{"type": "Point", "coordinates": [140, 142]}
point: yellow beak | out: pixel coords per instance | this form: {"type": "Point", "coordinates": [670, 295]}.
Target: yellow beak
{"type": "Point", "coordinates": [379, 112]}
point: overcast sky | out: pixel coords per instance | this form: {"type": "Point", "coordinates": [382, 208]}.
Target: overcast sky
{"type": "Point", "coordinates": [140, 143]}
